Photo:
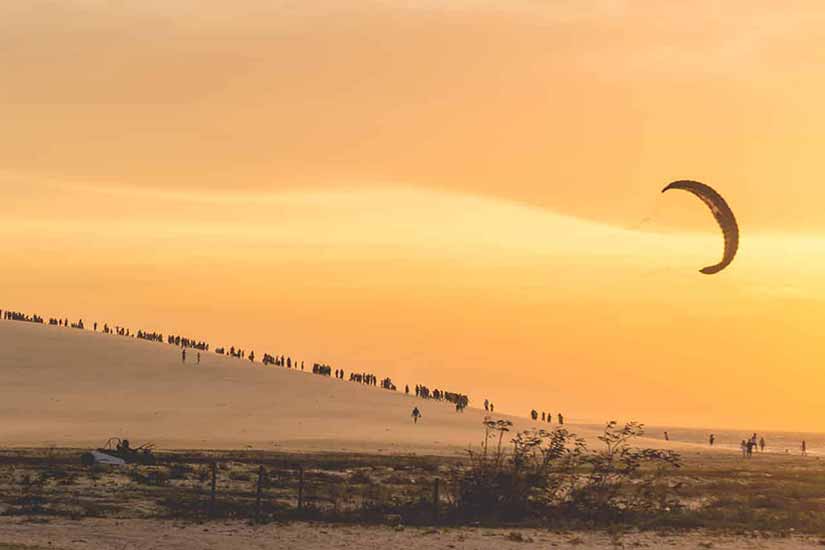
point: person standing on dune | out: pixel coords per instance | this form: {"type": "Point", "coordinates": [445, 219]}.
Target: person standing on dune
{"type": "Point", "coordinates": [416, 414]}
{"type": "Point", "coordinates": [183, 356]}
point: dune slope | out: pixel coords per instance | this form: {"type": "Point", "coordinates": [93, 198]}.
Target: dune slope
{"type": "Point", "coordinates": [68, 387]}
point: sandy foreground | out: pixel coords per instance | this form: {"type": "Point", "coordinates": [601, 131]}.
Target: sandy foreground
{"type": "Point", "coordinates": [71, 388]}
{"type": "Point", "coordinates": [101, 534]}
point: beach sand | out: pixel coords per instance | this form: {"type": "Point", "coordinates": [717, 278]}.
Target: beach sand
{"type": "Point", "coordinates": [73, 388]}
{"type": "Point", "coordinates": [104, 534]}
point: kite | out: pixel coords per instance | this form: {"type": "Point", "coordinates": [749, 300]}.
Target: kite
{"type": "Point", "coordinates": [724, 217]}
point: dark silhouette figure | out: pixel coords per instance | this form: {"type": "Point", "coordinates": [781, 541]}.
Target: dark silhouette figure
{"type": "Point", "coordinates": [416, 414]}
{"type": "Point", "coordinates": [712, 439]}
{"type": "Point", "coordinates": [183, 356]}
{"type": "Point", "coordinates": [561, 420]}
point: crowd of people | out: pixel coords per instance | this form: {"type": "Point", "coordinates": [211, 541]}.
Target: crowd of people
{"type": "Point", "coordinates": [64, 323]}
{"type": "Point", "coordinates": [323, 370]}
{"type": "Point", "coordinates": [546, 417]}
{"type": "Point", "coordinates": [460, 400]}
{"type": "Point", "coordinates": [753, 443]}
{"type": "Point", "coordinates": [17, 316]}
{"type": "Point", "coordinates": [748, 446]}
{"type": "Point", "coordinates": [151, 336]}
{"type": "Point", "coordinates": [187, 343]}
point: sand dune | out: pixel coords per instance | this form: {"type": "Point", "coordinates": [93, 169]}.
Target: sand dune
{"type": "Point", "coordinates": [67, 387]}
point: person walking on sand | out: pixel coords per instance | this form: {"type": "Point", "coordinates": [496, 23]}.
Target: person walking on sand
{"type": "Point", "coordinates": [561, 420]}
{"type": "Point", "coordinates": [183, 356]}
{"type": "Point", "coordinates": [416, 414]}
{"type": "Point", "coordinates": [667, 437]}
{"type": "Point", "coordinates": [804, 448]}
{"type": "Point", "coordinates": [761, 444]}
{"type": "Point", "coordinates": [712, 439]}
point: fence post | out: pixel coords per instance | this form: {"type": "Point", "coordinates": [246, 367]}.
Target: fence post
{"type": "Point", "coordinates": [436, 499]}
{"type": "Point", "coordinates": [301, 488]}
{"type": "Point", "coordinates": [259, 494]}
{"type": "Point", "coordinates": [214, 468]}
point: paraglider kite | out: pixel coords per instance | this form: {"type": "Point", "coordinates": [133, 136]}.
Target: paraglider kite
{"type": "Point", "coordinates": [724, 217]}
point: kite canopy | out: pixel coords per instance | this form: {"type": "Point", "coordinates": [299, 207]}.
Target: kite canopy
{"type": "Point", "coordinates": [724, 217]}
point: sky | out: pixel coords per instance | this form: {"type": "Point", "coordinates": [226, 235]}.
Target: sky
{"type": "Point", "coordinates": [464, 194]}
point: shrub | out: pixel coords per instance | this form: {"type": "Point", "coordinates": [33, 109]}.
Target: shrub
{"type": "Point", "coordinates": [554, 475]}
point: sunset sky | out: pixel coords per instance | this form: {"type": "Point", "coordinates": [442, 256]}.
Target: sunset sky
{"type": "Point", "coordinates": [460, 193]}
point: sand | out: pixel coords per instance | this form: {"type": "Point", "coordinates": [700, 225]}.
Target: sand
{"type": "Point", "coordinates": [71, 388]}
{"type": "Point", "coordinates": [103, 534]}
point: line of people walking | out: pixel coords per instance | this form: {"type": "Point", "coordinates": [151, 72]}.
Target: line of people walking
{"type": "Point", "coordinates": [461, 401]}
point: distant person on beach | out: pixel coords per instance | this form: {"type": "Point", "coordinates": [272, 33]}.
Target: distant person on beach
{"type": "Point", "coordinates": [533, 414]}
{"type": "Point", "coordinates": [492, 407]}
{"type": "Point", "coordinates": [667, 437]}
{"type": "Point", "coordinates": [744, 447]}
{"type": "Point", "coordinates": [416, 414]}
{"type": "Point", "coordinates": [543, 416]}
{"type": "Point", "coordinates": [804, 448]}
{"type": "Point", "coordinates": [561, 420]}
{"type": "Point", "coordinates": [486, 405]}
{"type": "Point", "coordinates": [549, 418]}
{"type": "Point", "coordinates": [407, 389]}
{"type": "Point", "coordinates": [761, 444]}
{"type": "Point", "coordinates": [712, 439]}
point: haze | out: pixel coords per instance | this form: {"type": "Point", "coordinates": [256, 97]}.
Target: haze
{"type": "Point", "coordinates": [463, 194]}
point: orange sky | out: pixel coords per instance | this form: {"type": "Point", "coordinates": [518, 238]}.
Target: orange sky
{"type": "Point", "coordinates": [459, 193]}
